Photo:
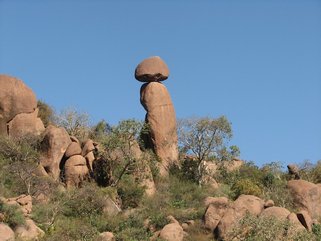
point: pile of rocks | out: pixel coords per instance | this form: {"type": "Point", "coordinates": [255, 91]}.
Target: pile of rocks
{"type": "Point", "coordinates": [160, 117]}
{"type": "Point", "coordinates": [28, 231]}
{"type": "Point", "coordinates": [222, 215]}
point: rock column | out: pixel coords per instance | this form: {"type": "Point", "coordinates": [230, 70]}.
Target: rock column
{"type": "Point", "coordinates": [160, 115]}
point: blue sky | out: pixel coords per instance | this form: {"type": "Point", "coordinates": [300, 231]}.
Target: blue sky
{"type": "Point", "coordinates": [257, 62]}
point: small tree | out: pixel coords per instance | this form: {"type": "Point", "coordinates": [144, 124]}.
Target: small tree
{"type": "Point", "coordinates": [205, 138]}
{"type": "Point", "coordinates": [121, 148]}
{"type": "Point", "coordinates": [46, 113]}
{"type": "Point", "coordinates": [75, 123]}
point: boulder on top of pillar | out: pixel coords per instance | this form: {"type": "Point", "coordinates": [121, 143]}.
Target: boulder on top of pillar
{"type": "Point", "coordinates": [152, 69]}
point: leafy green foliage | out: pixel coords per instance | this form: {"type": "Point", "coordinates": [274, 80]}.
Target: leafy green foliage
{"type": "Point", "coordinates": [46, 113]}
{"type": "Point", "coordinates": [245, 186]}
{"type": "Point", "coordinates": [130, 192]}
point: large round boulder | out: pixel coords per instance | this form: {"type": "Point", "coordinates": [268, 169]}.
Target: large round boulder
{"type": "Point", "coordinates": [76, 171]}
{"type": "Point", "coordinates": [54, 145]}
{"type": "Point", "coordinates": [152, 69]}
{"type": "Point", "coordinates": [6, 233]}
{"type": "Point", "coordinates": [306, 196]}
{"type": "Point", "coordinates": [15, 98]}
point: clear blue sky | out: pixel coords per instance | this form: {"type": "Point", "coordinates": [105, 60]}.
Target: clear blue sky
{"type": "Point", "coordinates": [257, 62]}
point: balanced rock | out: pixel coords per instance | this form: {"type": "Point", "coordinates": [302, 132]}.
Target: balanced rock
{"type": "Point", "coordinates": [15, 98]}
{"type": "Point", "coordinates": [75, 171]}
{"type": "Point", "coordinates": [25, 124]}
{"type": "Point", "coordinates": [54, 145]}
{"type": "Point", "coordinates": [161, 120]}
{"type": "Point", "coordinates": [306, 196]}
{"type": "Point", "coordinates": [152, 69]}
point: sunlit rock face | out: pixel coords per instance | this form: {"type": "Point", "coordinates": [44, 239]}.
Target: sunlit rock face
{"type": "Point", "coordinates": [160, 117]}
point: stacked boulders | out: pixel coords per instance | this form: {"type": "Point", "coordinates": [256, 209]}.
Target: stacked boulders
{"type": "Point", "coordinates": [222, 216]}
{"type": "Point", "coordinates": [160, 117]}
{"type": "Point", "coordinates": [18, 109]}
{"type": "Point", "coordinates": [27, 231]}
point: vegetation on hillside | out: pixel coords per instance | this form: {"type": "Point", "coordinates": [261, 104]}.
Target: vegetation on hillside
{"type": "Point", "coordinates": [78, 214]}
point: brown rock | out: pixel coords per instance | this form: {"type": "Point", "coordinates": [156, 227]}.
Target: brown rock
{"type": "Point", "coordinates": [294, 170]}
{"type": "Point", "coordinates": [295, 226]}
{"type": "Point", "coordinates": [106, 236]}
{"type": "Point", "coordinates": [73, 149]}
{"type": "Point", "coordinates": [171, 219]}
{"type": "Point", "coordinates": [242, 205]}
{"type": "Point", "coordinates": [6, 233]}
{"type": "Point", "coordinates": [277, 212]}
{"type": "Point", "coordinates": [75, 171]}
{"type": "Point", "coordinates": [111, 208]}
{"type": "Point", "coordinates": [29, 231]}
{"type": "Point", "coordinates": [88, 147]}
{"type": "Point", "coordinates": [90, 158]}
{"type": "Point", "coordinates": [214, 212]}
{"type": "Point", "coordinates": [22, 201]}
{"type": "Point", "coordinates": [306, 196]}
{"type": "Point", "coordinates": [54, 145]}
{"type": "Point", "coordinates": [152, 69]}
{"type": "Point", "coordinates": [25, 124]}
{"type": "Point", "coordinates": [232, 165]}
{"type": "Point", "coordinates": [74, 139]}
{"type": "Point", "coordinates": [15, 98]}
{"type": "Point", "coordinates": [269, 203]}
{"type": "Point", "coordinates": [162, 123]}
{"type": "Point", "coordinates": [172, 232]}
{"type": "Point", "coordinates": [305, 219]}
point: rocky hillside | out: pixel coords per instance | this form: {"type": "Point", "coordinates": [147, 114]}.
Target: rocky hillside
{"type": "Point", "coordinates": [154, 180]}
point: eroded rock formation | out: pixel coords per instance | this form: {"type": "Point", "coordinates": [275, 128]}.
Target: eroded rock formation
{"type": "Point", "coordinates": [160, 116]}
{"type": "Point", "coordinates": [18, 109]}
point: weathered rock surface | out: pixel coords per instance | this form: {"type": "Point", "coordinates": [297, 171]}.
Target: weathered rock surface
{"type": "Point", "coordinates": [23, 201]}
{"type": "Point", "coordinates": [15, 98]}
{"type": "Point", "coordinates": [242, 205]}
{"type": "Point", "coordinates": [277, 212]}
{"type": "Point", "coordinates": [152, 69]}
{"type": "Point", "coordinates": [88, 147]}
{"type": "Point", "coordinates": [172, 232]}
{"type": "Point", "coordinates": [29, 231]}
{"type": "Point", "coordinates": [6, 233]}
{"type": "Point", "coordinates": [54, 145]}
{"type": "Point", "coordinates": [75, 171]}
{"type": "Point", "coordinates": [162, 123]}
{"type": "Point", "coordinates": [73, 149]}
{"type": "Point", "coordinates": [25, 124]}
{"type": "Point", "coordinates": [307, 196]}
{"type": "Point", "coordinates": [215, 211]}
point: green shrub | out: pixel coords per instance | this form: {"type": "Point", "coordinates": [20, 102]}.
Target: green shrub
{"type": "Point", "coordinates": [12, 214]}
{"type": "Point", "coordinates": [252, 228]}
{"type": "Point", "coordinates": [84, 202]}
{"type": "Point", "coordinates": [71, 229]}
{"type": "Point", "coordinates": [130, 192]}
{"type": "Point", "coordinates": [46, 113]}
{"type": "Point", "coordinates": [245, 186]}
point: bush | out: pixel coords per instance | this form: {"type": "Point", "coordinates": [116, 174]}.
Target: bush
{"type": "Point", "coordinates": [245, 186]}
{"type": "Point", "coordinates": [46, 113]}
{"type": "Point", "coordinates": [71, 229]}
{"type": "Point", "coordinates": [12, 215]}
{"type": "Point", "coordinates": [252, 228]}
{"type": "Point", "coordinates": [130, 192]}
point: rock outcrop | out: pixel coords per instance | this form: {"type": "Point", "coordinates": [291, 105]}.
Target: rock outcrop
{"type": "Point", "coordinates": [6, 233]}
{"type": "Point", "coordinates": [54, 145]}
{"type": "Point", "coordinates": [18, 109]}
{"type": "Point", "coordinates": [216, 208]}
{"type": "Point", "coordinates": [306, 196]}
{"type": "Point", "coordinates": [172, 232]}
{"type": "Point", "coordinates": [242, 205]}
{"type": "Point", "coordinates": [28, 231]}
{"type": "Point", "coordinates": [76, 171]}
{"type": "Point", "coordinates": [160, 117]}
